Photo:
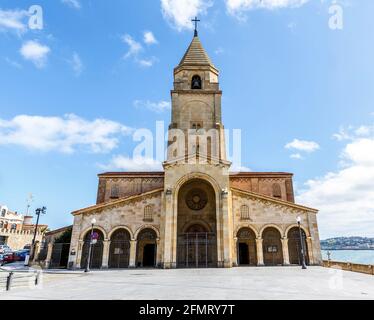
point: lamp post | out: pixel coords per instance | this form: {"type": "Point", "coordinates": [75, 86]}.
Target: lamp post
{"type": "Point", "coordinates": [303, 266]}
{"type": "Point", "coordinates": [87, 269]}
{"type": "Point", "coordinates": [38, 212]}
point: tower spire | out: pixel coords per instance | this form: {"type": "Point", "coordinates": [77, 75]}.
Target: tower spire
{"type": "Point", "coordinates": [196, 21]}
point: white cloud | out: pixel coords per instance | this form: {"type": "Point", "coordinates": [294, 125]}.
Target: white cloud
{"type": "Point", "coordinates": [149, 38]}
{"type": "Point", "coordinates": [146, 63]}
{"type": "Point", "coordinates": [345, 198]}
{"type": "Point", "coordinates": [180, 12]}
{"type": "Point", "coordinates": [63, 134]}
{"type": "Point", "coordinates": [12, 20]}
{"type": "Point", "coordinates": [302, 145]}
{"type": "Point", "coordinates": [134, 46]}
{"type": "Point", "coordinates": [296, 156]}
{"type": "Point", "coordinates": [238, 7]}
{"type": "Point", "coordinates": [139, 163]}
{"type": "Point", "coordinates": [13, 63]}
{"type": "Point", "coordinates": [158, 107]}
{"type": "Point", "coordinates": [239, 168]}
{"type": "Point", "coordinates": [76, 64]}
{"type": "Point", "coordinates": [72, 3]}
{"type": "Point", "coordinates": [35, 52]}
{"type": "Point", "coordinates": [219, 51]}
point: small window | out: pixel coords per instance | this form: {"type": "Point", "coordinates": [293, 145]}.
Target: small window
{"type": "Point", "coordinates": [196, 82]}
{"type": "Point", "coordinates": [114, 192]}
{"type": "Point", "coordinates": [244, 213]}
{"type": "Point", "coordinates": [1, 224]}
{"type": "Point", "coordinates": [3, 212]}
{"type": "Point", "coordinates": [277, 193]}
{"type": "Point", "coordinates": [13, 226]}
{"type": "Point", "coordinates": [148, 213]}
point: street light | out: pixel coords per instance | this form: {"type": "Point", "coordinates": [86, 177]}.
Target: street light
{"type": "Point", "coordinates": [303, 266]}
{"type": "Point", "coordinates": [87, 269]}
{"type": "Point", "coordinates": [38, 211]}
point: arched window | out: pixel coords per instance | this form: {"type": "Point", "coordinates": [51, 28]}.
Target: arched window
{"type": "Point", "coordinates": [13, 226]}
{"type": "Point", "coordinates": [3, 212]}
{"type": "Point", "coordinates": [1, 224]}
{"type": "Point", "coordinates": [196, 82]}
{"type": "Point", "coordinates": [277, 193]}
{"type": "Point", "coordinates": [148, 213]}
{"type": "Point", "coordinates": [244, 213]}
{"type": "Point", "coordinates": [114, 192]}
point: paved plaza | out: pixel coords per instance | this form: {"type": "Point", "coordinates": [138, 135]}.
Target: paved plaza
{"type": "Point", "coordinates": [235, 283]}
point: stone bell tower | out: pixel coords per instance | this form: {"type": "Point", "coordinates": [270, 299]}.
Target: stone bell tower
{"type": "Point", "coordinates": [196, 156]}
{"type": "Point", "coordinates": [196, 107]}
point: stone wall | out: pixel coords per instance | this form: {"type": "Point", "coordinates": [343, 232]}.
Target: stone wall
{"type": "Point", "coordinates": [348, 266]}
{"type": "Point", "coordinates": [113, 186]}
{"type": "Point", "coordinates": [264, 213]}
{"type": "Point", "coordinates": [17, 239]}
{"type": "Point", "coordinates": [133, 183]}
{"type": "Point", "coordinates": [263, 183]}
{"type": "Point", "coordinates": [127, 214]}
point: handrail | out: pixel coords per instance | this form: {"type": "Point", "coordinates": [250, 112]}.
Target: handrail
{"type": "Point", "coordinates": [13, 275]}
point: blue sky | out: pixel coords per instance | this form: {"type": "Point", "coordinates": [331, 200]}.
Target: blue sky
{"type": "Point", "coordinates": [301, 92]}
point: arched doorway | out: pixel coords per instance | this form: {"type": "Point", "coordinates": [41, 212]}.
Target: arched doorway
{"type": "Point", "coordinates": [196, 225]}
{"type": "Point", "coordinates": [294, 246]}
{"type": "Point", "coordinates": [246, 249]}
{"type": "Point", "coordinates": [96, 250]}
{"type": "Point", "coordinates": [146, 248]}
{"type": "Point", "coordinates": [272, 247]}
{"type": "Point", "coordinates": [119, 251]}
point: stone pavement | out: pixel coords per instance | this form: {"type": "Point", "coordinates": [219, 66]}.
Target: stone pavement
{"type": "Point", "coordinates": [236, 283]}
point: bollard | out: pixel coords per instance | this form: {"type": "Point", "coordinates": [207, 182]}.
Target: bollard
{"type": "Point", "coordinates": [9, 281]}
{"type": "Point", "coordinates": [37, 278]}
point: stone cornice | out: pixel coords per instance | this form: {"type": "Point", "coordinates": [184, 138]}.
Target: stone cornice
{"type": "Point", "coordinates": [189, 91]}
{"type": "Point", "coordinates": [116, 202]}
{"type": "Point", "coordinates": [274, 200]}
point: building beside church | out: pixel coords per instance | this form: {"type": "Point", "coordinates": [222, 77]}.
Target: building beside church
{"type": "Point", "coordinates": [195, 213]}
{"type": "Point", "coordinates": [17, 230]}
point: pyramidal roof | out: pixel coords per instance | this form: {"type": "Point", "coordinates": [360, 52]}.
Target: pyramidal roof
{"type": "Point", "coordinates": [196, 55]}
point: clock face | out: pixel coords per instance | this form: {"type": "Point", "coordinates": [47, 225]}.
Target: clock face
{"type": "Point", "coordinates": [196, 199]}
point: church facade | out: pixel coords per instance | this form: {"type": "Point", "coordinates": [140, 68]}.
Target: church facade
{"type": "Point", "coordinates": [196, 213]}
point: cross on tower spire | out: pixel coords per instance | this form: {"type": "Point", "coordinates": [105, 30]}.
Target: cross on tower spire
{"type": "Point", "coordinates": [196, 21]}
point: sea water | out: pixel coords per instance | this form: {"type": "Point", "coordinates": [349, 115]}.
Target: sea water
{"type": "Point", "coordinates": [354, 256]}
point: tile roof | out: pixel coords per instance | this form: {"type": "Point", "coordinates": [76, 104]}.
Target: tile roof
{"type": "Point", "coordinates": [195, 55]}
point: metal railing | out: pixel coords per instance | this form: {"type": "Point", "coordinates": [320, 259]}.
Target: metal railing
{"type": "Point", "coordinates": [18, 279]}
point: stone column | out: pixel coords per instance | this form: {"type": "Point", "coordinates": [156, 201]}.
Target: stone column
{"type": "Point", "coordinates": [169, 232]}
{"type": "Point", "coordinates": [132, 254]}
{"type": "Point", "coordinates": [286, 255]}
{"type": "Point", "coordinates": [158, 252]}
{"type": "Point", "coordinates": [49, 255]}
{"type": "Point", "coordinates": [106, 246]}
{"type": "Point", "coordinates": [235, 253]}
{"type": "Point", "coordinates": [260, 252]}
{"type": "Point", "coordinates": [79, 254]}
{"type": "Point", "coordinates": [309, 243]}
{"type": "Point", "coordinates": [226, 233]}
